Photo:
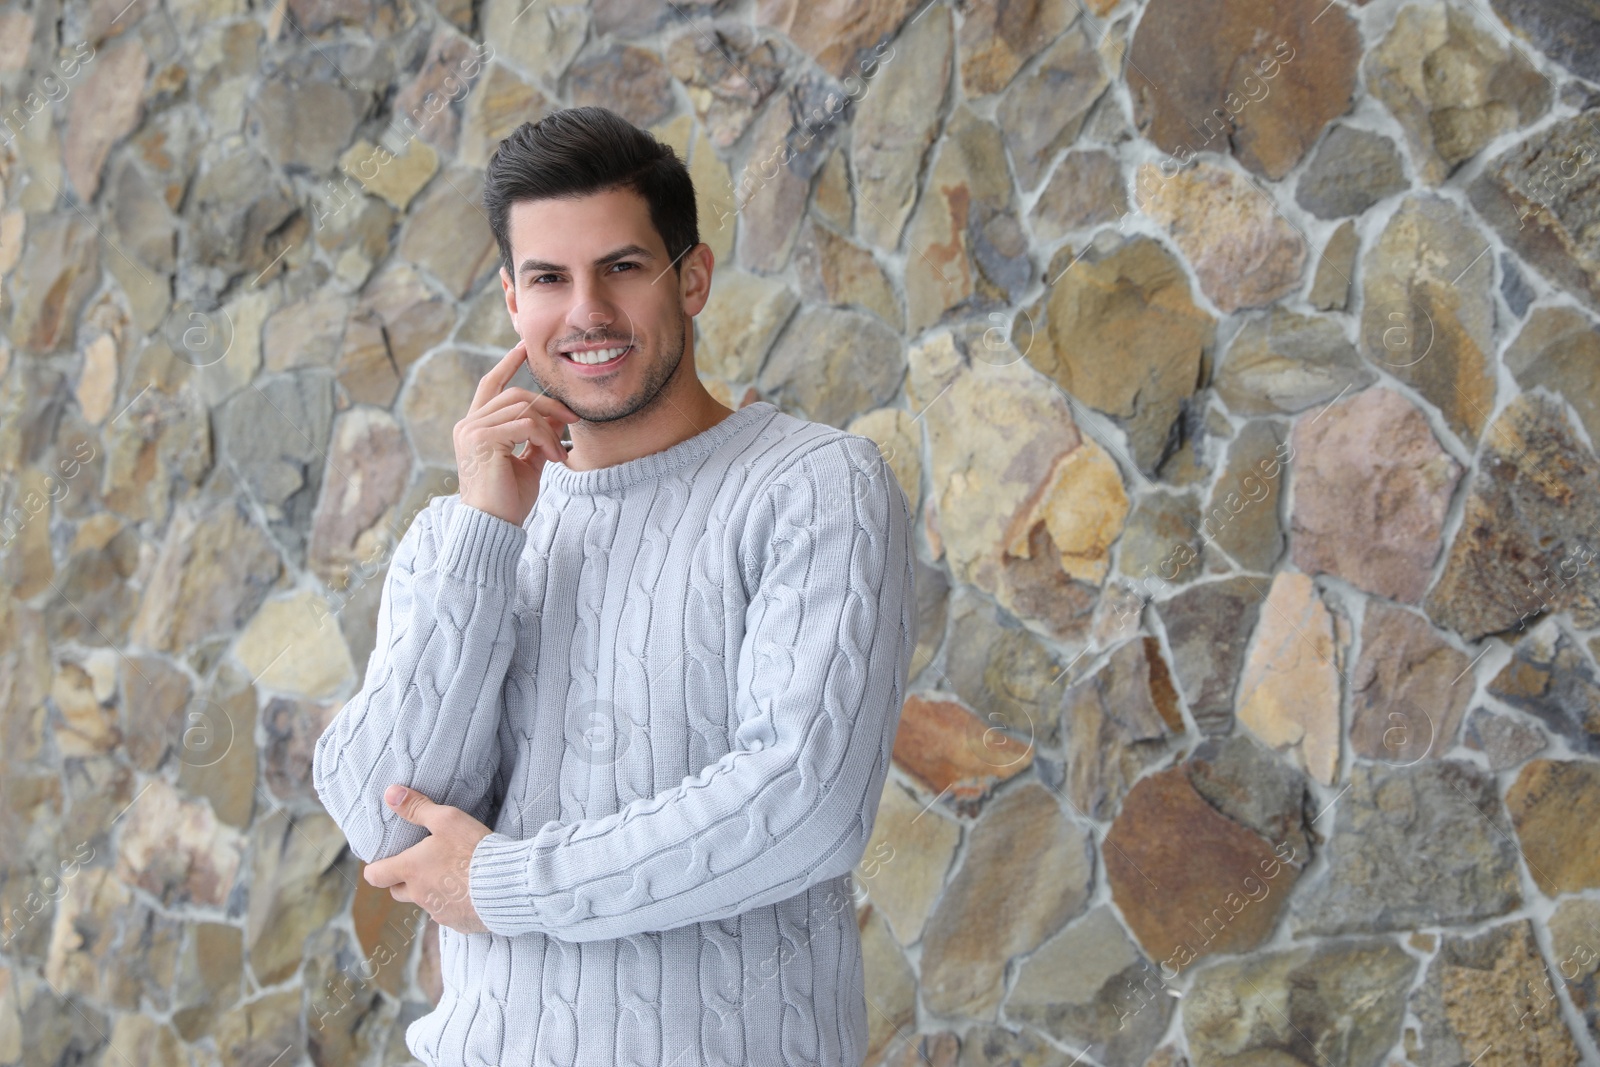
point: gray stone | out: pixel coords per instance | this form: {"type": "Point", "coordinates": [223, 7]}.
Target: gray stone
{"type": "Point", "coordinates": [1283, 362]}
{"type": "Point", "coordinates": [1566, 33]}
{"type": "Point", "coordinates": [1550, 678]}
{"type": "Point", "coordinates": [1423, 845]}
{"type": "Point", "coordinates": [275, 435]}
{"type": "Point", "coordinates": [1208, 629]}
{"type": "Point", "coordinates": [1338, 1003]}
{"type": "Point", "coordinates": [1508, 742]}
{"type": "Point", "coordinates": [1352, 170]}
{"type": "Point", "coordinates": [1045, 109]}
{"type": "Point", "coordinates": [1250, 785]}
{"type": "Point", "coordinates": [832, 363]}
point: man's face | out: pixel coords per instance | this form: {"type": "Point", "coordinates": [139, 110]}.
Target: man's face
{"type": "Point", "coordinates": [592, 276]}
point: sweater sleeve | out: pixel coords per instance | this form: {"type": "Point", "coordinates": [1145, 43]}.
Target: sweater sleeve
{"type": "Point", "coordinates": [829, 630]}
{"type": "Point", "coordinates": [428, 712]}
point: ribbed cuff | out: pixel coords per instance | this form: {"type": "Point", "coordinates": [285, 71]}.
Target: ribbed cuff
{"type": "Point", "coordinates": [497, 881]}
{"type": "Point", "coordinates": [480, 547]}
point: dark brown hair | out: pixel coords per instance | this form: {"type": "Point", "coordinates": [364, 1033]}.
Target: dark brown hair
{"type": "Point", "coordinates": [579, 151]}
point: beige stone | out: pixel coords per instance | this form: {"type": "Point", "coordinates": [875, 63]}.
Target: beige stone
{"type": "Point", "coordinates": [1289, 691]}
{"type": "Point", "coordinates": [290, 645]}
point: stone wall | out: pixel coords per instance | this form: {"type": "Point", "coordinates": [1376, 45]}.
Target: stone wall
{"type": "Point", "coordinates": [1239, 359]}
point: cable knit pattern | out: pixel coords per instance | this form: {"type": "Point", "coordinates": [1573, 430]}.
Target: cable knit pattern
{"type": "Point", "coordinates": [672, 693]}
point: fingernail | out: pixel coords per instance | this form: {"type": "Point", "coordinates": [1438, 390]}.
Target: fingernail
{"type": "Point", "coordinates": [395, 794]}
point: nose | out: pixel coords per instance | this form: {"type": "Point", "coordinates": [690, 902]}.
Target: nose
{"type": "Point", "coordinates": [591, 315]}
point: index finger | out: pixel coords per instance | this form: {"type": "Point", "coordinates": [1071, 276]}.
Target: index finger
{"type": "Point", "coordinates": [499, 376]}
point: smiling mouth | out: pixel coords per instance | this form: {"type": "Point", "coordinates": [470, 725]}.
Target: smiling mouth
{"type": "Point", "coordinates": [598, 356]}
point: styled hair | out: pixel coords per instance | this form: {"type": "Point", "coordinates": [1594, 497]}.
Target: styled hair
{"type": "Point", "coordinates": [579, 151]}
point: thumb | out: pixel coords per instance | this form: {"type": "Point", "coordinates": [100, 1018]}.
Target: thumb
{"type": "Point", "coordinates": [412, 805]}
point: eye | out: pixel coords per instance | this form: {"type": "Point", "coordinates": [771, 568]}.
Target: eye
{"type": "Point", "coordinates": [541, 277]}
{"type": "Point", "coordinates": [626, 263]}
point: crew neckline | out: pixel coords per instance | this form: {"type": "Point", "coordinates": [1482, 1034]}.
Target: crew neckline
{"type": "Point", "coordinates": [620, 475]}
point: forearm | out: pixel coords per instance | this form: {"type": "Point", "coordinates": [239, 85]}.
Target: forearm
{"type": "Point", "coordinates": [428, 712]}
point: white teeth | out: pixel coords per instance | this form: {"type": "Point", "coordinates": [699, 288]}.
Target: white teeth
{"type": "Point", "coordinates": [599, 355]}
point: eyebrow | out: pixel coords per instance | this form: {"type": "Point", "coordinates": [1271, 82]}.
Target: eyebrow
{"type": "Point", "coordinates": [604, 261]}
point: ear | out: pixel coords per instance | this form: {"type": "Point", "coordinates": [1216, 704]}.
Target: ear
{"type": "Point", "coordinates": [510, 291]}
{"type": "Point", "coordinates": [694, 286]}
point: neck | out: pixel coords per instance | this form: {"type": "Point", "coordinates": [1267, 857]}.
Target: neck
{"type": "Point", "coordinates": [674, 415]}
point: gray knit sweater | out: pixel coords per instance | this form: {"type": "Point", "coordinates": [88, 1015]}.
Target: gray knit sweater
{"type": "Point", "coordinates": [672, 693]}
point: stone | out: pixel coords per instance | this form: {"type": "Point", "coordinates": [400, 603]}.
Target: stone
{"type": "Point", "coordinates": [1083, 505]}
{"type": "Point", "coordinates": [1331, 289]}
{"type": "Point", "coordinates": [1514, 286]}
{"type": "Point", "coordinates": [1351, 170]}
{"type": "Point", "coordinates": [447, 234]}
{"type": "Point", "coordinates": [637, 18]}
{"type": "Point", "coordinates": [888, 974]}
{"type": "Point", "coordinates": [305, 333]}
{"type": "Point", "coordinates": [1091, 986]}
{"type": "Point", "coordinates": [906, 860]}
{"type": "Point", "coordinates": [1033, 586]}
{"type": "Point", "coordinates": [1185, 877]}
{"type": "Point", "coordinates": [1554, 805]}
{"type": "Point", "coordinates": [1453, 86]}
{"type": "Point", "coordinates": [1118, 721]}
{"type": "Point", "coordinates": [997, 42]}
{"type": "Point", "coordinates": [427, 106]}
{"type": "Point", "coordinates": [1549, 677]}
{"type": "Point", "coordinates": [1340, 1002]}
{"type": "Point", "coordinates": [305, 126]}
{"type": "Point", "coordinates": [499, 103]}
{"type": "Point", "coordinates": [275, 436]}
{"type": "Point", "coordinates": [103, 110]}
{"type": "Point", "coordinates": [1084, 190]}
{"type": "Point", "coordinates": [82, 691]}
{"type": "Point", "coordinates": [1208, 629]}
{"type": "Point", "coordinates": [540, 41]}
{"type": "Point", "coordinates": [714, 198]}
{"type": "Point", "coordinates": [217, 747]}
{"type": "Point", "coordinates": [288, 647]}
{"type": "Point", "coordinates": [1267, 77]}
{"type": "Point", "coordinates": [835, 270]}
{"type": "Point", "coordinates": [1559, 348]}
{"type": "Point", "coordinates": [972, 253]}
{"type": "Point", "coordinates": [1244, 252]}
{"type": "Point", "coordinates": [834, 201]}
{"type": "Point", "coordinates": [631, 81]}
{"type": "Point", "coordinates": [397, 177]}
{"type": "Point", "coordinates": [60, 268]}
{"type": "Point", "coordinates": [291, 728]}
{"type": "Point", "coordinates": [213, 569]}
{"type": "Point", "coordinates": [832, 363]}
{"type": "Point", "coordinates": [789, 143]}
{"type": "Point", "coordinates": [933, 602]}
{"type": "Point", "coordinates": [1241, 516]}
{"type": "Point", "coordinates": [1524, 545]}
{"type": "Point", "coordinates": [155, 694]}
{"type": "Point", "coordinates": [1565, 34]}
{"type": "Point", "coordinates": [1289, 692]}
{"type": "Point", "coordinates": [1281, 362]}
{"type": "Point", "coordinates": [1574, 936]}
{"type": "Point", "coordinates": [257, 1030]}
{"type": "Point", "coordinates": [176, 849]}
{"type": "Point", "coordinates": [345, 1014]}
{"type": "Point", "coordinates": [301, 873]}
{"type": "Point", "coordinates": [1423, 845]}
{"type": "Point", "coordinates": [952, 752]}
{"type": "Point", "coordinates": [438, 394]}
{"type": "Point", "coordinates": [1162, 541]}
{"type": "Point", "coordinates": [210, 978]}
{"type": "Point", "coordinates": [1004, 672]}
{"type": "Point", "coordinates": [994, 440]}
{"type": "Point", "coordinates": [1028, 869]}
{"type": "Point", "coordinates": [728, 71]}
{"type": "Point", "coordinates": [1044, 111]}
{"type": "Point", "coordinates": [399, 317]}
{"type": "Point", "coordinates": [385, 929]}
{"type": "Point", "coordinates": [1508, 742]}
{"type": "Point", "coordinates": [838, 36]}
{"type": "Point", "coordinates": [369, 467]}
{"type": "Point", "coordinates": [242, 220]}
{"type": "Point", "coordinates": [1372, 494]}
{"type": "Point", "coordinates": [893, 129]}
{"type": "Point", "coordinates": [999, 1046]}
{"type": "Point", "coordinates": [1125, 337]}
{"type": "Point", "coordinates": [1490, 996]}
{"type": "Point", "coordinates": [1248, 784]}
{"type": "Point", "coordinates": [1428, 311]}
{"type": "Point", "coordinates": [735, 330]}
{"type": "Point", "coordinates": [1409, 690]}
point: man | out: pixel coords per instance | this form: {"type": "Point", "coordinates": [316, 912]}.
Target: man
{"type": "Point", "coordinates": [665, 667]}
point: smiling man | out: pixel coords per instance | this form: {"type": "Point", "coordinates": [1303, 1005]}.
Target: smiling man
{"type": "Point", "coordinates": [630, 709]}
